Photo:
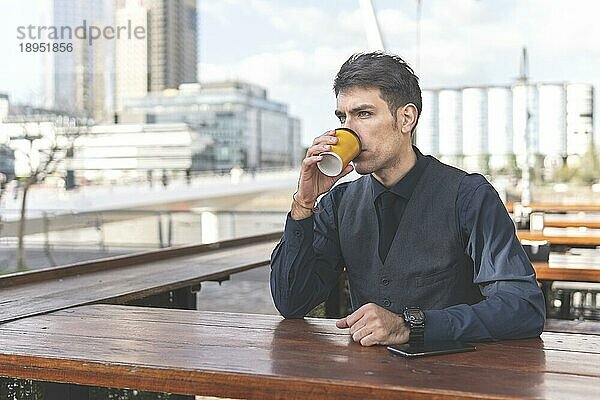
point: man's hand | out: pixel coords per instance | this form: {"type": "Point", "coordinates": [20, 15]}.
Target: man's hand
{"type": "Point", "coordinates": [371, 324]}
{"type": "Point", "coordinates": [312, 183]}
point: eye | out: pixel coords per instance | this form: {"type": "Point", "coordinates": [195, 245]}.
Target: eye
{"type": "Point", "coordinates": [364, 114]}
{"type": "Point", "coordinates": [342, 118]}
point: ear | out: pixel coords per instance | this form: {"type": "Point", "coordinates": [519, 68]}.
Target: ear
{"type": "Point", "coordinates": [407, 118]}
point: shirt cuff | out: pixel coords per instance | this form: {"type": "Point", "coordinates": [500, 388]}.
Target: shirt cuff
{"type": "Point", "coordinates": [297, 230]}
{"type": "Point", "coordinates": [437, 326]}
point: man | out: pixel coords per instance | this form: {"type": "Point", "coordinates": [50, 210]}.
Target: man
{"type": "Point", "coordinates": [429, 249]}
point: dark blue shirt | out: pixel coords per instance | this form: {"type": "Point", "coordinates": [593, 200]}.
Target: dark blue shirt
{"type": "Point", "coordinates": [306, 263]}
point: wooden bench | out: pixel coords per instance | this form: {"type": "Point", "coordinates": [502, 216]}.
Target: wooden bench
{"type": "Point", "coordinates": [556, 222]}
{"type": "Point", "coordinates": [553, 207]}
{"type": "Point", "coordinates": [577, 274]}
{"type": "Point", "coordinates": [129, 278]}
{"type": "Point", "coordinates": [556, 236]}
{"type": "Point", "coordinates": [551, 279]}
{"type": "Point", "coordinates": [265, 357]}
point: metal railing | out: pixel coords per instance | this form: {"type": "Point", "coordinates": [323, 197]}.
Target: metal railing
{"type": "Point", "coordinates": [143, 228]}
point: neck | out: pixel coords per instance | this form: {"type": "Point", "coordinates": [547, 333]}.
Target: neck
{"type": "Point", "coordinates": [391, 175]}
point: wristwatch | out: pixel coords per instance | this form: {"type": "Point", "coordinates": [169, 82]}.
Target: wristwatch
{"type": "Point", "coordinates": [415, 319]}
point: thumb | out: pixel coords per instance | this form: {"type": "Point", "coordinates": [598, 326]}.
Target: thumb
{"type": "Point", "coordinates": [342, 323]}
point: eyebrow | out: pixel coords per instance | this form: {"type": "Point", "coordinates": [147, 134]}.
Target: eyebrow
{"type": "Point", "coordinates": [358, 108]}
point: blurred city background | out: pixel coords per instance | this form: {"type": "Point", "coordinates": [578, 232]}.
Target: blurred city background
{"type": "Point", "coordinates": [193, 132]}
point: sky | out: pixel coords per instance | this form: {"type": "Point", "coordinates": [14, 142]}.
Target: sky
{"type": "Point", "coordinates": [294, 48]}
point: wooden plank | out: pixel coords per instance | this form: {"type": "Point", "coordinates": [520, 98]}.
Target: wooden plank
{"type": "Point", "coordinates": [127, 283]}
{"type": "Point", "coordinates": [249, 356]}
{"type": "Point", "coordinates": [128, 260]}
{"type": "Point", "coordinates": [566, 326]}
{"type": "Point", "coordinates": [591, 239]}
{"type": "Point", "coordinates": [572, 224]}
{"type": "Point", "coordinates": [544, 272]}
{"type": "Point", "coordinates": [553, 207]}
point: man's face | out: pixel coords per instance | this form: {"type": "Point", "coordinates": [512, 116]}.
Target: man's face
{"type": "Point", "coordinates": [365, 112]}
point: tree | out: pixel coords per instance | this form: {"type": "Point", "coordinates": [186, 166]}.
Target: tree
{"type": "Point", "coordinates": [43, 156]}
{"type": "Point", "coordinates": [585, 171]}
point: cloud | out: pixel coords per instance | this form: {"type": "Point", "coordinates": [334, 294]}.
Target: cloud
{"type": "Point", "coordinates": [312, 24]}
{"type": "Point", "coordinates": [220, 10]}
{"type": "Point", "coordinates": [303, 80]}
{"type": "Point", "coordinates": [283, 72]}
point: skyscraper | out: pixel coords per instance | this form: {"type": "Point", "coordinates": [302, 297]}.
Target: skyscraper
{"type": "Point", "coordinates": [131, 56]}
{"type": "Point", "coordinates": [172, 46]}
{"type": "Point", "coordinates": [168, 55]}
{"type": "Point", "coordinates": [77, 80]}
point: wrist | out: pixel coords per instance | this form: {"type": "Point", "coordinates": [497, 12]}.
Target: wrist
{"type": "Point", "coordinates": [306, 204]}
{"type": "Point", "coordinates": [414, 319]}
{"type": "Point", "coordinates": [301, 210]}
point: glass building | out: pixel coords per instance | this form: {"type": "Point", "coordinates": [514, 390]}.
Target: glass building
{"type": "Point", "coordinates": [248, 129]}
{"type": "Point", "coordinates": [76, 81]}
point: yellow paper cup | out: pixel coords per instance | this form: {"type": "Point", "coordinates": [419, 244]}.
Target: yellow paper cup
{"type": "Point", "coordinates": [345, 150]}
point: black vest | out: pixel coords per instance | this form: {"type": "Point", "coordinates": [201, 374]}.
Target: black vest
{"type": "Point", "coordinates": [426, 265]}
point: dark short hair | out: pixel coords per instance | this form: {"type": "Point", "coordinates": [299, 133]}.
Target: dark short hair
{"type": "Point", "coordinates": [389, 73]}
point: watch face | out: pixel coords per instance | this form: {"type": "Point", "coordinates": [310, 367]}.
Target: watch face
{"type": "Point", "coordinates": [415, 315]}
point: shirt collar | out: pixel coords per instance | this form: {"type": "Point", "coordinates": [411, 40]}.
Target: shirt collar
{"type": "Point", "coordinates": [405, 186]}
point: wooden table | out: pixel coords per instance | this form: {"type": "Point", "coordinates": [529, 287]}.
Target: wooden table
{"type": "Point", "coordinates": [263, 357]}
{"type": "Point", "coordinates": [559, 236]}
{"type": "Point", "coordinates": [547, 275]}
{"type": "Point", "coordinates": [126, 278]}
{"type": "Point", "coordinates": [583, 274]}
{"type": "Point", "coordinates": [553, 207]}
{"type": "Point", "coordinates": [563, 221]}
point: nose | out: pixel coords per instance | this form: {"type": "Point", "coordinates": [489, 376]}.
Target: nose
{"type": "Point", "coordinates": [348, 124]}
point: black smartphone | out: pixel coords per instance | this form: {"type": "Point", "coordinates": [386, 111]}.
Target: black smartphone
{"type": "Point", "coordinates": [431, 348]}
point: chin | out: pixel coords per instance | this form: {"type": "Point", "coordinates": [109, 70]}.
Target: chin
{"type": "Point", "coordinates": [362, 169]}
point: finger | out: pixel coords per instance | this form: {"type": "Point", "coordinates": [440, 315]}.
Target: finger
{"type": "Point", "coordinates": [360, 334]}
{"type": "Point", "coordinates": [341, 323]}
{"type": "Point", "coordinates": [355, 316]}
{"type": "Point", "coordinates": [369, 340]}
{"type": "Point", "coordinates": [328, 136]}
{"type": "Point", "coordinates": [358, 325]}
{"type": "Point", "coordinates": [310, 161]}
{"type": "Point", "coordinates": [318, 149]}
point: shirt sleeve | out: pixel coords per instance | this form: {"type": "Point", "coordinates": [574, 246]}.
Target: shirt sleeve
{"type": "Point", "coordinates": [513, 305]}
{"type": "Point", "coordinates": [307, 262]}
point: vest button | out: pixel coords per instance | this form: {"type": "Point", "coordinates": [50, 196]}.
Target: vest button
{"type": "Point", "coordinates": [387, 302]}
{"type": "Point", "coordinates": [385, 282]}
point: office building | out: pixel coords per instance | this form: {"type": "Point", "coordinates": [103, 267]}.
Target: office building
{"type": "Point", "coordinates": [4, 107]}
{"type": "Point", "coordinates": [248, 129]}
{"type": "Point", "coordinates": [165, 58]}
{"type": "Point", "coordinates": [131, 56]}
{"type": "Point", "coordinates": [134, 152]}
{"type": "Point", "coordinates": [77, 81]}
